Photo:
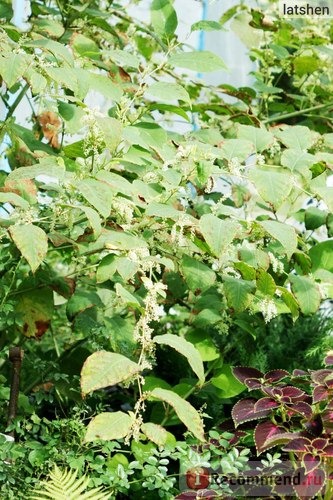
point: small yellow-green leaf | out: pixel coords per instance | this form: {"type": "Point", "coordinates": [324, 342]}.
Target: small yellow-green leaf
{"type": "Point", "coordinates": [32, 243]}
{"type": "Point", "coordinates": [103, 368]}
{"type": "Point", "coordinates": [155, 433]}
{"type": "Point", "coordinates": [108, 426]}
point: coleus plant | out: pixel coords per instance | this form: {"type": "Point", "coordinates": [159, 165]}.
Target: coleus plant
{"type": "Point", "coordinates": [298, 420]}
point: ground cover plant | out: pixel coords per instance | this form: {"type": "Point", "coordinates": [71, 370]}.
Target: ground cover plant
{"type": "Point", "coordinates": [137, 262]}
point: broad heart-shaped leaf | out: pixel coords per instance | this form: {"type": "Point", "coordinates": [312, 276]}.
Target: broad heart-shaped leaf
{"type": "Point", "coordinates": [236, 148]}
{"type": "Point", "coordinates": [218, 233]}
{"type": "Point", "coordinates": [186, 349]}
{"type": "Point", "coordinates": [267, 434]}
{"type": "Point", "coordinates": [155, 433]}
{"type": "Point", "coordinates": [184, 410]}
{"type": "Point", "coordinates": [284, 234]}
{"type": "Point", "coordinates": [321, 255]}
{"type": "Point", "coordinates": [103, 368]}
{"type": "Point", "coordinates": [12, 67]}
{"type": "Point", "coordinates": [265, 283]}
{"type": "Point", "coordinates": [98, 194]}
{"type": "Point", "coordinates": [202, 62]}
{"type": "Point", "coordinates": [272, 185]}
{"type": "Point", "coordinates": [260, 137]}
{"type": "Point", "coordinates": [163, 17]}
{"type": "Point", "coordinates": [306, 292]}
{"type": "Point", "coordinates": [238, 292]}
{"type": "Point", "coordinates": [105, 86]}
{"type": "Point", "coordinates": [297, 137]}
{"type": "Point", "coordinates": [197, 275]}
{"type": "Point", "coordinates": [168, 92]}
{"type": "Point", "coordinates": [35, 309]}
{"type": "Point", "coordinates": [32, 243]}
{"type": "Point", "coordinates": [94, 220]}
{"type": "Point", "coordinates": [108, 426]}
{"type": "Point", "coordinates": [298, 160]}
{"type": "Point", "coordinates": [243, 411]}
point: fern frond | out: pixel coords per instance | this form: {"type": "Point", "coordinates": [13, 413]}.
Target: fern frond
{"type": "Point", "coordinates": [64, 485]}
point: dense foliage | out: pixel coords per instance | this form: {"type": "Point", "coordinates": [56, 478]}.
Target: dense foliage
{"type": "Point", "coordinates": [138, 260]}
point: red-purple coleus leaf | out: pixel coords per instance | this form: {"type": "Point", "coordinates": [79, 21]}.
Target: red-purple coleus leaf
{"type": "Point", "coordinates": [265, 404]}
{"type": "Point", "coordinates": [302, 408]}
{"type": "Point", "coordinates": [327, 420]}
{"type": "Point", "coordinates": [320, 393]}
{"type": "Point", "coordinates": [255, 379]}
{"type": "Point", "coordinates": [307, 486]}
{"type": "Point", "coordinates": [285, 394]}
{"type": "Point", "coordinates": [243, 411]}
{"type": "Point", "coordinates": [267, 434]}
{"type": "Point", "coordinates": [329, 359]}
{"type": "Point", "coordinates": [310, 462]}
{"type": "Point", "coordinates": [319, 376]}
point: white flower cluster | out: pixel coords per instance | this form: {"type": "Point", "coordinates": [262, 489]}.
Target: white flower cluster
{"type": "Point", "coordinates": [124, 209]}
{"type": "Point", "coordinates": [235, 166]}
{"type": "Point", "coordinates": [274, 149]}
{"type": "Point", "coordinates": [153, 312]}
{"type": "Point", "coordinates": [142, 257]}
{"type": "Point", "coordinates": [268, 309]}
{"type": "Point", "coordinates": [177, 231]}
{"type": "Point", "coordinates": [277, 265]}
{"type": "Point", "coordinates": [94, 138]}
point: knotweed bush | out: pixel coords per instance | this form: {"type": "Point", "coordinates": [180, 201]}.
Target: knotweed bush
{"type": "Point", "coordinates": [130, 250]}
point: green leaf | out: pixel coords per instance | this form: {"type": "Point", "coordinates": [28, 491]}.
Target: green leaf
{"type": "Point", "coordinates": [299, 161]}
{"type": "Point", "coordinates": [297, 137]}
{"type": "Point", "coordinates": [14, 199]}
{"type": "Point", "coordinates": [202, 62]}
{"type": "Point", "coordinates": [49, 166]}
{"type": "Point", "coordinates": [186, 349]}
{"type": "Point", "coordinates": [314, 218]}
{"type": "Point", "coordinates": [184, 410]}
{"type": "Point", "coordinates": [35, 310]}
{"type": "Point", "coordinates": [119, 240]}
{"type": "Point", "coordinates": [236, 148]}
{"type": "Point", "coordinates": [12, 67]}
{"type": "Point", "coordinates": [260, 137]}
{"type": "Point", "coordinates": [273, 185]}
{"type": "Point", "coordinates": [238, 292]}
{"type": "Point", "coordinates": [206, 25]}
{"type": "Point", "coordinates": [306, 292]}
{"type": "Point", "coordinates": [218, 233]}
{"type": "Point", "coordinates": [94, 220]}
{"type": "Point", "coordinates": [105, 86]}
{"type": "Point", "coordinates": [106, 268]}
{"type": "Point", "coordinates": [284, 234]}
{"type": "Point", "coordinates": [265, 283]}
{"type": "Point", "coordinates": [108, 426]}
{"type": "Point", "coordinates": [228, 384]}
{"type": "Point", "coordinates": [124, 58]}
{"type": "Point", "coordinates": [204, 344]}
{"type": "Point", "coordinates": [103, 368]}
{"type": "Point", "coordinates": [147, 135]}
{"type": "Point", "coordinates": [290, 301]}
{"type": "Point", "coordinates": [162, 210]}
{"type": "Point", "coordinates": [197, 275]}
{"type": "Point", "coordinates": [32, 243]}
{"type": "Point", "coordinates": [98, 194]}
{"type": "Point", "coordinates": [84, 46]}
{"type": "Point", "coordinates": [168, 92]}
{"type": "Point", "coordinates": [321, 256]}
{"type": "Point", "coordinates": [155, 433]}
{"type": "Point", "coordinates": [304, 65]}
{"type": "Point", "coordinates": [163, 18]}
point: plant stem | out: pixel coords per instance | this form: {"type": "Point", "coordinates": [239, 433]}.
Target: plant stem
{"type": "Point", "coordinates": [297, 113]}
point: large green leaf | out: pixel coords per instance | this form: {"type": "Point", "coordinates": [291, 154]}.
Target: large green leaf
{"type": "Point", "coordinates": [227, 383]}
{"type": "Point", "coordinates": [163, 17]}
{"type": "Point", "coordinates": [197, 275]}
{"type": "Point", "coordinates": [108, 426]}
{"type": "Point", "coordinates": [103, 368]}
{"type": "Point", "coordinates": [297, 137]}
{"type": "Point", "coordinates": [186, 349]}
{"type": "Point", "coordinates": [12, 67]}
{"type": "Point", "coordinates": [168, 92]}
{"type": "Point", "coordinates": [321, 255]}
{"type": "Point", "coordinates": [284, 234]}
{"type": "Point", "coordinates": [185, 411]}
{"type": "Point", "coordinates": [265, 283]}
{"type": "Point", "coordinates": [14, 199]}
{"type": "Point", "coordinates": [35, 309]}
{"type": "Point", "coordinates": [236, 148]}
{"type": "Point", "coordinates": [32, 243]}
{"type": "Point", "coordinates": [94, 219]}
{"type": "Point", "coordinates": [238, 292]}
{"type": "Point", "coordinates": [298, 161]}
{"type": "Point", "coordinates": [272, 185]}
{"type": "Point", "coordinates": [306, 292]}
{"type": "Point", "coordinates": [98, 194]}
{"type": "Point", "coordinates": [218, 233]}
{"type": "Point", "coordinates": [202, 62]}
{"type": "Point", "coordinates": [260, 137]}
{"type": "Point", "coordinates": [105, 86]}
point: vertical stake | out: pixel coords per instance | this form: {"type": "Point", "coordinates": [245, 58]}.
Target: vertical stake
{"type": "Point", "coordinates": [15, 357]}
